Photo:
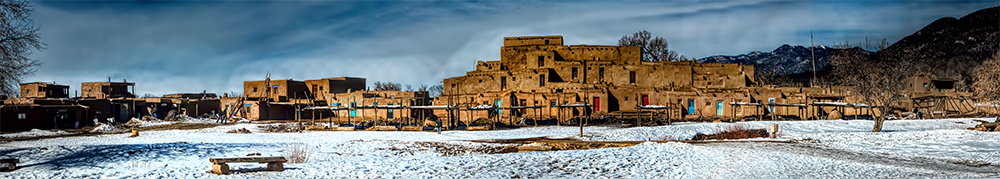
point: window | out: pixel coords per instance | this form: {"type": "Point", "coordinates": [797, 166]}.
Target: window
{"type": "Point", "coordinates": [27, 91]}
{"type": "Point", "coordinates": [254, 89]}
{"type": "Point", "coordinates": [631, 77]}
{"type": "Point", "coordinates": [22, 116]}
{"type": "Point", "coordinates": [354, 104]}
{"type": "Point", "coordinates": [546, 42]}
{"type": "Point", "coordinates": [321, 88]}
{"type": "Point", "coordinates": [541, 80]}
{"type": "Point", "coordinates": [541, 61]}
{"type": "Point", "coordinates": [600, 74]}
{"type": "Point", "coordinates": [503, 82]}
{"type": "Point", "coordinates": [574, 72]}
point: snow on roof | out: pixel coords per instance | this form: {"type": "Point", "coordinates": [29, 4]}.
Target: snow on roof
{"type": "Point", "coordinates": [653, 107]}
{"type": "Point", "coordinates": [434, 107]}
{"type": "Point", "coordinates": [482, 107]}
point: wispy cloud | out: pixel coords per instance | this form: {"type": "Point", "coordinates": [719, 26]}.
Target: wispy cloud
{"type": "Point", "coordinates": [169, 47]}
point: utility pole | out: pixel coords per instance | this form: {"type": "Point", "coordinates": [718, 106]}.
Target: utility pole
{"type": "Point", "coordinates": [812, 47]}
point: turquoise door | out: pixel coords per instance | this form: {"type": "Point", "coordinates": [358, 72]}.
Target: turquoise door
{"type": "Point", "coordinates": [496, 104]}
{"type": "Point", "coordinates": [718, 108]}
{"type": "Point", "coordinates": [389, 113]}
{"type": "Point", "coordinates": [690, 106]}
{"type": "Point", "coordinates": [354, 113]}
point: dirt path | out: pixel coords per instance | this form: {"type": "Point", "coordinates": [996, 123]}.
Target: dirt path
{"type": "Point", "coordinates": [935, 164]}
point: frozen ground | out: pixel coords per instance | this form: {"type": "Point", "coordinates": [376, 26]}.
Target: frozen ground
{"type": "Point", "coordinates": [827, 149]}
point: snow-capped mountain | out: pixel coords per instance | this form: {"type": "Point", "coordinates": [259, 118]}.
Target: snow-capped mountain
{"type": "Point", "coordinates": [786, 59]}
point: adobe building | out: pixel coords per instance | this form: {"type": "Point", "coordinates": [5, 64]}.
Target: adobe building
{"type": "Point", "coordinates": [538, 77]}
{"type": "Point", "coordinates": [203, 95]}
{"type": "Point", "coordinates": [541, 71]}
{"type": "Point", "coordinates": [24, 117]}
{"type": "Point", "coordinates": [377, 105]}
{"type": "Point", "coordinates": [285, 99]}
{"type": "Point", "coordinates": [102, 90]}
{"type": "Point", "coordinates": [42, 106]}
{"type": "Point", "coordinates": [276, 90]}
{"type": "Point", "coordinates": [321, 88]}
{"type": "Point", "coordinates": [934, 97]}
{"type": "Point", "coordinates": [44, 90]}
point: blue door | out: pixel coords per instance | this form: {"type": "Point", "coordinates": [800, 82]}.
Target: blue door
{"type": "Point", "coordinates": [770, 108]}
{"type": "Point", "coordinates": [496, 104]}
{"type": "Point", "coordinates": [389, 112]}
{"type": "Point", "coordinates": [354, 113]}
{"type": "Point", "coordinates": [718, 108]}
{"type": "Point", "coordinates": [690, 106]}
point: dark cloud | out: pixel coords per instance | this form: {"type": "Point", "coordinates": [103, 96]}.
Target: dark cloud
{"type": "Point", "coordinates": [169, 47]}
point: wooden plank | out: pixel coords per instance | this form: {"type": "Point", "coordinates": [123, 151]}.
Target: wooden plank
{"type": "Point", "coordinates": [532, 148]}
{"type": "Point", "coordinates": [478, 128]}
{"type": "Point", "coordinates": [383, 128]}
{"type": "Point", "coordinates": [316, 128]}
{"type": "Point", "coordinates": [413, 128]}
{"type": "Point", "coordinates": [343, 128]}
{"type": "Point", "coordinates": [247, 160]}
{"type": "Point", "coordinates": [9, 160]}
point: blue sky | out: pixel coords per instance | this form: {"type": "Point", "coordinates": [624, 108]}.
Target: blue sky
{"type": "Point", "coordinates": [190, 46]}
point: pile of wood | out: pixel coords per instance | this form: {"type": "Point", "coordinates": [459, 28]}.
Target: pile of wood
{"type": "Point", "coordinates": [986, 126]}
{"type": "Point", "coordinates": [240, 131]}
{"type": "Point", "coordinates": [280, 128]}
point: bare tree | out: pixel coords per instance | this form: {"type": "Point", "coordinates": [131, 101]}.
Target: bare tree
{"type": "Point", "coordinates": [769, 76]}
{"type": "Point", "coordinates": [653, 49]}
{"type": "Point", "coordinates": [18, 38]}
{"type": "Point", "coordinates": [877, 78]}
{"type": "Point", "coordinates": [422, 88]}
{"type": "Point", "coordinates": [437, 90]}
{"type": "Point", "coordinates": [408, 88]}
{"type": "Point", "coordinates": [986, 86]}
{"type": "Point", "coordinates": [387, 86]}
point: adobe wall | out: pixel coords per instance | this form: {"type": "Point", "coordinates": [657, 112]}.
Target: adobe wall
{"type": "Point", "coordinates": [281, 90]}
{"type": "Point", "coordinates": [32, 90]}
{"type": "Point", "coordinates": [42, 117]}
{"type": "Point", "coordinates": [532, 40]}
{"type": "Point", "coordinates": [92, 90]}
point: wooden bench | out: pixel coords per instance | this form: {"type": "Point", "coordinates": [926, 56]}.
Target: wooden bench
{"type": "Point", "coordinates": [11, 163]}
{"type": "Point", "coordinates": [219, 165]}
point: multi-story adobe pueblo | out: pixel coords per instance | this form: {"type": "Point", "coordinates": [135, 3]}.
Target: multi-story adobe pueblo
{"type": "Point", "coordinates": [541, 78]}
{"type": "Point", "coordinates": [541, 71]}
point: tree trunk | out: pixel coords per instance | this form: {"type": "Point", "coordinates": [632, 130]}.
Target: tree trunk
{"type": "Point", "coordinates": [878, 124]}
{"type": "Point", "coordinates": [878, 121]}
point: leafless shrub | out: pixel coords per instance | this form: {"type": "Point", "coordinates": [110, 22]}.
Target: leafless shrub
{"type": "Point", "coordinates": [297, 153]}
{"type": "Point", "coordinates": [986, 86]}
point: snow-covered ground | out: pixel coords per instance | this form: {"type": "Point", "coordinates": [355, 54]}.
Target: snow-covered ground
{"type": "Point", "coordinates": [827, 149]}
